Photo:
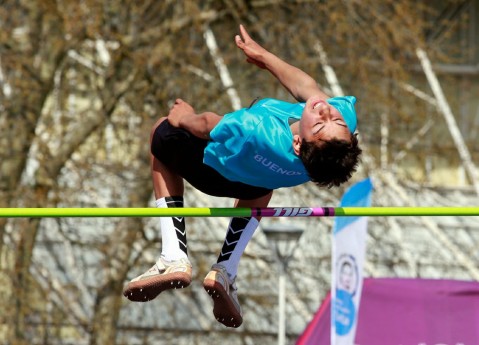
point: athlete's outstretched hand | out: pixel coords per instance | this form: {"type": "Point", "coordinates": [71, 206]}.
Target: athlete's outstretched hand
{"type": "Point", "coordinates": [253, 51]}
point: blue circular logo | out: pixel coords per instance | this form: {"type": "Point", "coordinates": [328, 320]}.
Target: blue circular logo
{"type": "Point", "coordinates": [344, 312]}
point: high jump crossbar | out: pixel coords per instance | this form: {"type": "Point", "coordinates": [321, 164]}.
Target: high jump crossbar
{"type": "Point", "coordinates": [238, 212]}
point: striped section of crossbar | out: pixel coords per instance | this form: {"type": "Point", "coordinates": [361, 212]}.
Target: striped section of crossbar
{"type": "Point", "coordinates": [238, 212]}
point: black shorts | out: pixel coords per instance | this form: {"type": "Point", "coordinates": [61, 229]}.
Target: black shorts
{"type": "Point", "coordinates": [183, 153]}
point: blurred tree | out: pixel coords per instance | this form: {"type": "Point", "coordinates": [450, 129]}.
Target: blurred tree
{"type": "Point", "coordinates": [81, 83]}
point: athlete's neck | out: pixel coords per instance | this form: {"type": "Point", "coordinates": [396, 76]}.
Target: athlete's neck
{"type": "Point", "coordinates": [294, 128]}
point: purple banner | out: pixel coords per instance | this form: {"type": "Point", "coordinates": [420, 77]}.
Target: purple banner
{"type": "Point", "coordinates": [397, 311]}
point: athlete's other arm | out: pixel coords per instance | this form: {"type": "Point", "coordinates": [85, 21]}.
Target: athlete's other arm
{"type": "Point", "coordinates": [299, 84]}
{"type": "Point", "coordinates": [200, 125]}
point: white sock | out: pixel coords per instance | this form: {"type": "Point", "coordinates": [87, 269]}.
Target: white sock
{"type": "Point", "coordinates": [240, 232]}
{"type": "Point", "coordinates": [173, 232]}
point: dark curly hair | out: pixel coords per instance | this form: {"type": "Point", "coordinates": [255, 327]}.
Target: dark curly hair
{"type": "Point", "coordinates": [331, 162]}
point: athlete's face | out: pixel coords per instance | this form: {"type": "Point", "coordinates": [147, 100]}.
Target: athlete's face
{"type": "Point", "coordinates": [322, 122]}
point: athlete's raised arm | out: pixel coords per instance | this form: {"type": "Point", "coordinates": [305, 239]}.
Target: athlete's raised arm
{"type": "Point", "coordinates": [300, 84]}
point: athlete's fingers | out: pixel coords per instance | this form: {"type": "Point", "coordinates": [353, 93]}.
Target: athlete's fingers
{"type": "Point", "coordinates": [244, 33]}
{"type": "Point", "coordinates": [239, 41]}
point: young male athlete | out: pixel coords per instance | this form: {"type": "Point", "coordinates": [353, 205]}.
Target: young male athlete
{"type": "Point", "coordinates": [244, 155]}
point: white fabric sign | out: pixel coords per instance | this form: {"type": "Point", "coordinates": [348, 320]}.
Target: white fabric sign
{"type": "Point", "coordinates": [348, 253]}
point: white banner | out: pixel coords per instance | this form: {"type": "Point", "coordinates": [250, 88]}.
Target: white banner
{"type": "Point", "coordinates": [348, 252]}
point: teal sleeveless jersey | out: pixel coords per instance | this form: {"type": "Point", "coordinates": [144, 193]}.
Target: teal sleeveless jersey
{"type": "Point", "coordinates": [255, 146]}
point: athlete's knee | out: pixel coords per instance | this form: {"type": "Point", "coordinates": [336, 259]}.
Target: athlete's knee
{"type": "Point", "coordinates": [155, 126]}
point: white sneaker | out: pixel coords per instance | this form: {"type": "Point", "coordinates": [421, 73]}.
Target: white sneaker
{"type": "Point", "coordinates": [164, 275]}
{"type": "Point", "coordinates": [222, 289]}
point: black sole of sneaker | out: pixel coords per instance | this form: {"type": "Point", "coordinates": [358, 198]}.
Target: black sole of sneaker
{"type": "Point", "coordinates": [223, 308]}
{"type": "Point", "coordinates": [148, 289]}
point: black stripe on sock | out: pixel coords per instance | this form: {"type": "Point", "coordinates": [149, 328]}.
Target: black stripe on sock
{"type": "Point", "coordinates": [178, 222]}
{"type": "Point", "coordinates": [235, 230]}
